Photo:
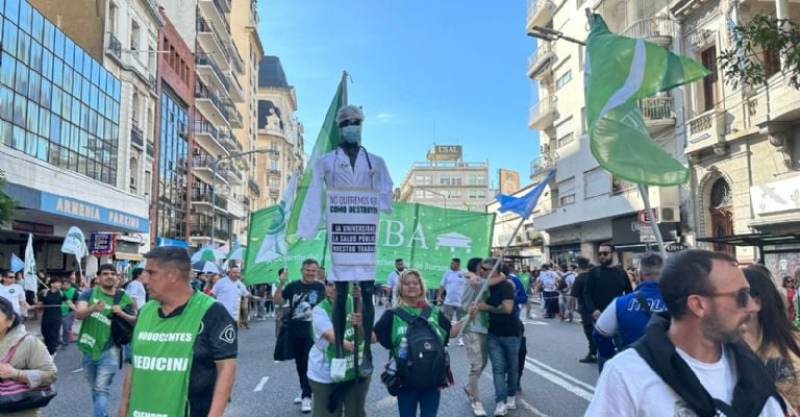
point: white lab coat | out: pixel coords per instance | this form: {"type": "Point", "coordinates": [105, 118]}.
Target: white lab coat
{"type": "Point", "coordinates": [333, 170]}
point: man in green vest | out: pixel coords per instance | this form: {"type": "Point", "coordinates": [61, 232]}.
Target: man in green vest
{"type": "Point", "coordinates": [184, 347]}
{"type": "Point", "coordinates": [67, 315]}
{"type": "Point", "coordinates": [100, 354]}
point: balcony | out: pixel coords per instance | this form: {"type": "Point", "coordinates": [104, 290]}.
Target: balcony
{"type": "Point", "coordinates": [114, 47]}
{"type": "Point", "coordinates": [658, 30]}
{"type": "Point", "coordinates": [541, 61]}
{"type": "Point", "coordinates": [236, 91]}
{"type": "Point", "coordinates": [230, 143]}
{"type": "Point", "coordinates": [151, 81]}
{"type": "Point", "coordinates": [252, 185]}
{"type": "Point", "coordinates": [275, 172]}
{"type": "Point", "coordinates": [542, 164]}
{"type": "Point", "coordinates": [221, 202]}
{"type": "Point", "coordinates": [542, 114]}
{"type": "Point", "coordinates": [540, 12]}
{"type": "Point", "coordinates": [235, 209]}
{"type": "Point", "coordinates": [214, 12]}
{"type": "Point", "coordinates": [234, 175]}
{"type": "Point", "coordinates": [207, 136]}
{"type": "Point", "coordinates": [206, 168]}
{"type": "Point", "coordinates": [274, 192]}
{"type": "Point", "coordinates": [137, 135]}
{"type": "Point", "coordinates": [235, 118]}
{"type": "Point", "coordinates": [658, 113]}
{"type": "Point", "coordinates": [211, 43]}
{"type": "Point", "coordinates": [273, 130]}
{"type": "Point", "coordinates": [209, 72]}
{"type": "Point", "coordinates": [211, 106]}
{"type": "Point", "coordinates": [705, 131]}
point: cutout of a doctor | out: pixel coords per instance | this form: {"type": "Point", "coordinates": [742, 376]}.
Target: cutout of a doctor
{"type": "Point", "coordinates": [349, 166]}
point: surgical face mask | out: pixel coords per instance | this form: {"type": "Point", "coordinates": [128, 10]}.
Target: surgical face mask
{"type": "Point", "coordinates": [351, 134]}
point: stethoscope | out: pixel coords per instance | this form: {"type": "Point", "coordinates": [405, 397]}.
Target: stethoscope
{"type": "Point", "coordinates": [347, 165]}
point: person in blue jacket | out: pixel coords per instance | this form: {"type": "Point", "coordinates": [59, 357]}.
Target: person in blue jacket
{"type": "Point", "coordinates": [627, 315]}
{"type": "Point", "coordinates": [520, 295]}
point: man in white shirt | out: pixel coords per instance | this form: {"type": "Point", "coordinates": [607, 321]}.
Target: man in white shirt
{"type": "Point", "coordinates": [451, 287]}
{"type": "Point", "coordinates": [391, 282]}
{"type": "Point", "coordinates": [692, 364]}
{"type": "Point", "coordinates": [13, 292]}
{"type": "Point", "coordinates": [229, 291]}
{"type": "Point", "coordinates": [135, 288]}
{"type": "Point", "coordinates": [549, 282]}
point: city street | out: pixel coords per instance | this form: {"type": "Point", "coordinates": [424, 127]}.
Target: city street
{"type": "Point", "coordinates": [553, 384]}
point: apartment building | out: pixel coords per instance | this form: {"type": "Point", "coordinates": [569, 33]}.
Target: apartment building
{"type": "Point", "coordinates": [279, 133]}
{"type": "Point", "coordinates": [217, 175]}
{"type": "Point", "coordinates": [244, 28]}
{"type": "Point", "coordinates": [743, 144]}
{"type": "Point", "coordinates": [527, 245]}
{"type": "Point", "coordinates": [445, 180]}
{"type": "Point", "coordinates": [60, 124]}
{"type": "Point", "coordinates": [586, 205]}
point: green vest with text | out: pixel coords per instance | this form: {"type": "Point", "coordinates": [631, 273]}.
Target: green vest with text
{"type": "Point", "coordinates": [349, 332]}
{"type": "Point", "coordinates": [162, 350]}
{"type": "Point", "coordinates": [69, 292]}
{"type": "Point", "coordinates": [96, 329]}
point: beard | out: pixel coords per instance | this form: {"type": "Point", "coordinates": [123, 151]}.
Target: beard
{"type": "Point", "coordinates": [714, 328]}
{"type": "Point", "coordinates": [607, 261]}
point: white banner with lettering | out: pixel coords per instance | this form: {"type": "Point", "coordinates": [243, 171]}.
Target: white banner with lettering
{"type": "Point", "coordinates": [353, 218]}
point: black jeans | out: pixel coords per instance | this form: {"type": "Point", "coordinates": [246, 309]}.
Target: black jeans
{"type": "Point", "coordinates": [302, 345]}
{"type": "Point", "coordinates": [367, 315]}
{"type": "Point", "coordinates": [51, 330]}
{"type": "Point", "coordinates": [588, 328]}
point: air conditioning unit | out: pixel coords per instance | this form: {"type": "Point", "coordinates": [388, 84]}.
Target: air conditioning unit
{"type": "Point", "coordinates": [669, 214]}
{"type": "Point", "coordinates": [544, 148]}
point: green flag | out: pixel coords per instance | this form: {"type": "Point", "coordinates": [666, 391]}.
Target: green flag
{"type": "Point", "coordinates": [327, 139]}
{"type": "Point", "coordinates": [619, 72]}
{"type": "Point", "coordinates": [426, 237]}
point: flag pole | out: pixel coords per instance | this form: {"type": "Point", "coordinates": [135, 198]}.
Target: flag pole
{"type": "Point", "coordinates": [485, 285]}
{"type": "Point", "coordinates": [653, 222]}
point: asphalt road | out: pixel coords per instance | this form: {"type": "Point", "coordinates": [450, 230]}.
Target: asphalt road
{"type": "Point", "coordinates": [553, 384]}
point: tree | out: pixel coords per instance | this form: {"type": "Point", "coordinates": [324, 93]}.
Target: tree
{"type": "Point", "coordinates": [761, 47]}
{"type": "Point", "coordinates": [7, 204]}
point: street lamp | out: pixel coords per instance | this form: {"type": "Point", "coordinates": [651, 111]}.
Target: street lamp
{"type": "Point", "coordinates": [444, 197]}
{"type": "Point", "coordinates": [214, 183]}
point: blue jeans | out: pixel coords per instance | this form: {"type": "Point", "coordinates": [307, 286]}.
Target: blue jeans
{"type": "Point", "coordinates": [504, 354]}
{"type": "Point", "coordinates": [409, 398]}
{"type": "Point", "coordinates": [100, 374]}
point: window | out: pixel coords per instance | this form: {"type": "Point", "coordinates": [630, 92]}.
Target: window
{"type": "Point", "coordinates": [564, 79]}
{"type": "Point", "coordinates": [444, 180]}
{"type": "Point", "coordinates": [581, 55]}
{"type": "Point", "coordinates": [136, 33]}
{"type": "Point", "coordinates": [419, 194]}
{"type": "Point", "coordinates": [584, 128]}
{"type": "Point", "coordinates": [565, 140]}
{"type": "Point", "coordinates": [620, 186]}
{"type": "Point", "coordinates": [596, 183]}
{"type": "Point", "coordinates": [709, 60]}
{"type": "Point", "coordinates": [113, 12]}
{"type": "Point", "coordinates": [566, 192]}
{"type": "Point", "coordinates": [423, 180]}
{"type": "Point", "coordinates": [772, 62]}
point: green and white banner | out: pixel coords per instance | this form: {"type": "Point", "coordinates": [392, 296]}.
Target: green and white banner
{"type": "Point", "coordinates": [426, 237]}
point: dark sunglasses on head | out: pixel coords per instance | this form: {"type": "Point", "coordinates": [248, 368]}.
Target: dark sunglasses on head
{"type": "Point", "coordinates": [345, 123]}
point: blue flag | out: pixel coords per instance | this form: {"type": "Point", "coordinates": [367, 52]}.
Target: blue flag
{"type": "Point", "coordinates": [523, 205]}
{"type": "Point", "coordinates": [17, 264]}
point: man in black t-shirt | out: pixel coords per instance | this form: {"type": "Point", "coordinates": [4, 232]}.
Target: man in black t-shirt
{"type": "Point", "coordinates": [50, 303]}
{"type": "Point", "coordinates": [586, 316]}
{"type": "Point", "coordinates": [503, 340]}
{"type": "Point", "coordinates": [302, 296]}
{"type": "Point", "coordinates": [213, 369]}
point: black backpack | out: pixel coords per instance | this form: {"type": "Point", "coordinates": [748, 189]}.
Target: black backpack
{"type": "Point", "coordinates": [427, 361]}
{"type": "Point", "coordinates": [121, 330]}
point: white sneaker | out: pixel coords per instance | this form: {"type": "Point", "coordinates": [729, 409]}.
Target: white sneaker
{"type": "Point", "coordinates": [500, 410]}
{"type": "Point", "coordinates": [461, 341]}
{"type": "Point", "coordinates": [298, 400]}
{"type": "Point", "coordinates": [477, 409]}
{"type": "Point", "coordinates": [306, 406]}
{"type": "Point", "coordinates": [511, 403]}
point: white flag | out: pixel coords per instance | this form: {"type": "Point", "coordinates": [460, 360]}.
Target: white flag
{"type": "Point", "coordinates": [29, 283]}
{"type": "Point", "coordinates": [75, 243]}
{"type": "Point", "coordinates": [274, 245]}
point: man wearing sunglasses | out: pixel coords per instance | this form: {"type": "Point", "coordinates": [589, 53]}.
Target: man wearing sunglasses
{"type": "Point", "coordinates": [692, 363]}
{"type": "Point", "coordinates": [349, 173]}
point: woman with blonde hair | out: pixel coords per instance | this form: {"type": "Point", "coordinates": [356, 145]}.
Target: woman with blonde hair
{"type": "Point", "coordinates": [391, 328]}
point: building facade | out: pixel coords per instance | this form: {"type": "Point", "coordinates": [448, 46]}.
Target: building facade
{"type": "Point", "coordinates": [741, 144]}
{"type": "Point", "coordinates": [205, 25]}
{"type": "Point", "coordinates": [586, 205]}
{"type": "Point", "coordinates": [279, 133]}
{"type": "Point", "coordinates": [445, 180]}
{"type": "Point", "coordinates": [60, 124]}
{"type": "Point", "coordinates": [244, 28]}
